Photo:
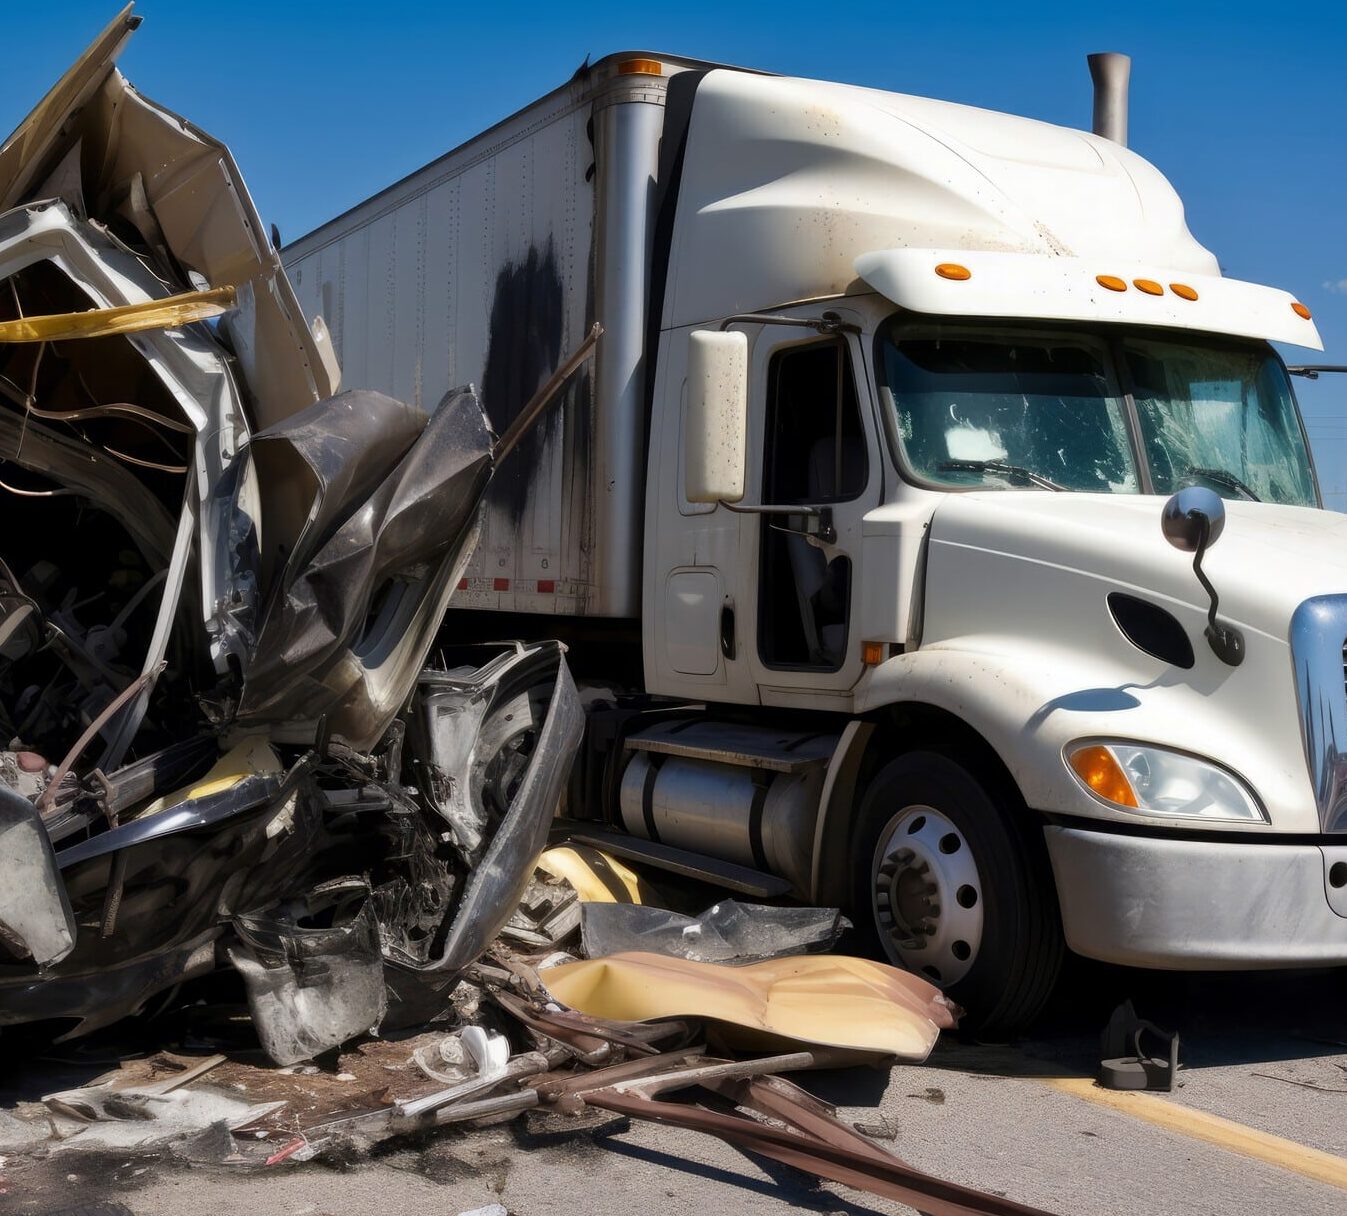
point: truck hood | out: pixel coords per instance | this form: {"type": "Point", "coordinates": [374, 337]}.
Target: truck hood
{"type": "Point", "coordinates": [1268, 560]}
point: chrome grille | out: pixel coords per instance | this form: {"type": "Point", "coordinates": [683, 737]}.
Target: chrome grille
{"type": "Point", "coordinates": [1318, 651]}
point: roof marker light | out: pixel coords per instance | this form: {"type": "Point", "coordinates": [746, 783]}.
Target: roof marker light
{"type": "Point", "coordinates": [1149, 286]}
{"type": "Point", "coordinates": [952, 270]}
{"type": "Point", "coordinates": [640, 67]}
{"type": "Point", "coordinates": [1183, 291]}
{"type": "Point", "coordinates": [1300, 310]}
{"type": "Point", "coordinates": [1111, 281]}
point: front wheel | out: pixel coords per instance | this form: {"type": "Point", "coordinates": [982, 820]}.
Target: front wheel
{"type": "Point", "coordinates": [951, 885]}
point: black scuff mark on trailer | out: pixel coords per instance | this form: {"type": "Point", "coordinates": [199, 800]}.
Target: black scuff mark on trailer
{"type": "Point", "coordinates": [523, 348]}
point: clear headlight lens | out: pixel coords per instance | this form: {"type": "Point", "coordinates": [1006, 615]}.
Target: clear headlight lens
{"type": "Point", "coordinates": [1156, 781]}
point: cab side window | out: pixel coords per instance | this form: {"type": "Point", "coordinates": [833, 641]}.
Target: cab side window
{"type": "Point", "coordinates": [815, 454]}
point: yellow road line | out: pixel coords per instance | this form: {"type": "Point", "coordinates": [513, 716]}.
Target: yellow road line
{"type": "Point", "coordinates": [1224, 1133]}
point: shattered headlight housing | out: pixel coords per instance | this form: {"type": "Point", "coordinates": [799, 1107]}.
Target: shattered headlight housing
{"type": "Point", "coordinates": [1158, 781]}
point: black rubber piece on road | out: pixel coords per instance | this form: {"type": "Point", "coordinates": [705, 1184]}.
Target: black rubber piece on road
{"type": "Point", "coordinates": [1021, 952]}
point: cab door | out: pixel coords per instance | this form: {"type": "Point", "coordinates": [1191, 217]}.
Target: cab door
{"type": "Point", "coordinates": [812, 447]}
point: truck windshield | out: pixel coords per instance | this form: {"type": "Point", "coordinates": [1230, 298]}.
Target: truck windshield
{"type": "Point", "coordinates": [1007, 408]}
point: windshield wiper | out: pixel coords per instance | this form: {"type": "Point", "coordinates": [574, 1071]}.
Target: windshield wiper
{"type": "Point", "coordinates": [1223, 478]}
{"type": "Point", "coordinates": [1000, 466]}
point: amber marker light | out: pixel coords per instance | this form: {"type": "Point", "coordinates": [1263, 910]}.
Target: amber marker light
{"type": "Point", "coordinates": [1300, 310]}
{"type": "Point", "coordinates": [1103, 775]}
{"type": "Point", "coordinates": [1111, 281]}
{"type": "Point", "coordinates": [872, 653]}
{"type": "Point", "coordinates": [1183, 291]}
{"type": "Point", "coordinates": [640, 67]}
{"type": "Point", "coordinates": [952, 270]}
{"type": "Point", "coordinates": [1149, 286]}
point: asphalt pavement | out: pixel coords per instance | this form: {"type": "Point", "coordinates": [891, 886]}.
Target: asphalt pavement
{"type": "Point", "coordinates": [1258, 1125]}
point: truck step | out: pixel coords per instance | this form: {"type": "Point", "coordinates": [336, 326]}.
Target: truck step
{"type": "Point", "coordinates": [680, 861]}
{"type": "Point", "coordinates": [733, 743]}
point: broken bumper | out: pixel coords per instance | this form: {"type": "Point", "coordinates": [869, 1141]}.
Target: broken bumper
{"type": "Point", "coordinates": [1206, 905]}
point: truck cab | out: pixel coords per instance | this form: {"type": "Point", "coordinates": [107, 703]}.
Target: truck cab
{"type": "Point", "coordinates": [929, 505]}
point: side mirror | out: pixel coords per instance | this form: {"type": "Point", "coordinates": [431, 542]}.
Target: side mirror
{"type": "Point", "coordinates": [1193, 518]}
{"type": "Point", "coordinates": [715, 428]}
{"type": "Point", "coordinates": [35, 918]}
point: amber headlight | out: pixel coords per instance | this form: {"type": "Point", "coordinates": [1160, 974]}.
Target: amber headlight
{"type": "Point", "coordinates": [1156, 781]}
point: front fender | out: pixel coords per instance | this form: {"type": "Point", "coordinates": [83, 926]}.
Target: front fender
{"type": "Point", "coordinates": [1029, 699]}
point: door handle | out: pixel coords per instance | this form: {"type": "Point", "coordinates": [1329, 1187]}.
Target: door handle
{"type": "Point", "coordinates": [727, 629]}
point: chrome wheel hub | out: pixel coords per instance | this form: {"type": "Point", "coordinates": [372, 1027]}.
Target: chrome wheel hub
{"type": "Point", "coordinates": [927, 895]}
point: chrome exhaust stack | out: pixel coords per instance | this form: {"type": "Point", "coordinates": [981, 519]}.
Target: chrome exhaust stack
{"type": "Point", "coordinates": [1110, 72]}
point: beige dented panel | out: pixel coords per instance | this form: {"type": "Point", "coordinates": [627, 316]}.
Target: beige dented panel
{"type": "Point", "coordinates": [823, 1000]}
{"type": "Point", "coordinates": [596, 877]}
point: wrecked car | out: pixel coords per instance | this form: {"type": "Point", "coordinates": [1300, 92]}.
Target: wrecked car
{"type": "Point", "coordinates": [233, 734]}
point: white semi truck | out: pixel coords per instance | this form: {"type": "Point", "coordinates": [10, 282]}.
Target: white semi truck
{"type": "Point", "coordinates": [853, 526]}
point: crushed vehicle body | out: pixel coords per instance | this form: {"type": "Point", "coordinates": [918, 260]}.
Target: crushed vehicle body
{"type": "Point", "coordinates": [222, 582]}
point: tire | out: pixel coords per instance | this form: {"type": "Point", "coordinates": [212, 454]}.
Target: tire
{"type": "Point", "coordinates": [505, 747]}
{"type": "Point", "coordinates": [949, 882]}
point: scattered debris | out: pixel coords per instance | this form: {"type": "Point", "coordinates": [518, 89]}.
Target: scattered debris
{"type": "Point", "coordinates": [932, 1094]}
{"type": "Point", "coordinates": [728, 932]}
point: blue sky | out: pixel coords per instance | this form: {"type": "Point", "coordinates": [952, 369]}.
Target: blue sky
{"type": "Point", "coordinates": [1242, 105]}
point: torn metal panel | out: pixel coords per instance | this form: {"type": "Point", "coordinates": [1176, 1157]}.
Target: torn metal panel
{"type": "Point", "coordinates": [868, 1008]}
{"type": "Point", "coordinates": [313, 971]}
{"type": "Point", "coordinates": [181, 190]}
{"type": "Point", "coordinates": [194, 374]}
{"type": "Point", "coordinates": [37, 141]}
{"type": "Point", "coordinates": [728, 932]}
{"type": "Point", "coordinates": [499, 878]}
{"type": "Point", "coordinates": [348, 627]}
{"type": "Point", "coordinates": [316, 468]}
{"type": "Point", "coordinates": [35, 918]}
{"type": "Point", "coordinates": [171, 880]}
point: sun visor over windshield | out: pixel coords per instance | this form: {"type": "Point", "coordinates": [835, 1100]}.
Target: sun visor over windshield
{"type": "Point", "coordinates": [959, 283]}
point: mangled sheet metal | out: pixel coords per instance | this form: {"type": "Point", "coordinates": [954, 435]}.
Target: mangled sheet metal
{"type": "Point", "coordinates": [852, 1004]}
{"type": "Point", "coordinates": [727, 932]}
{"type": "Point", "coordinates": [220, 582]}
{"type": "Point", "coordinates": [322, 648]}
